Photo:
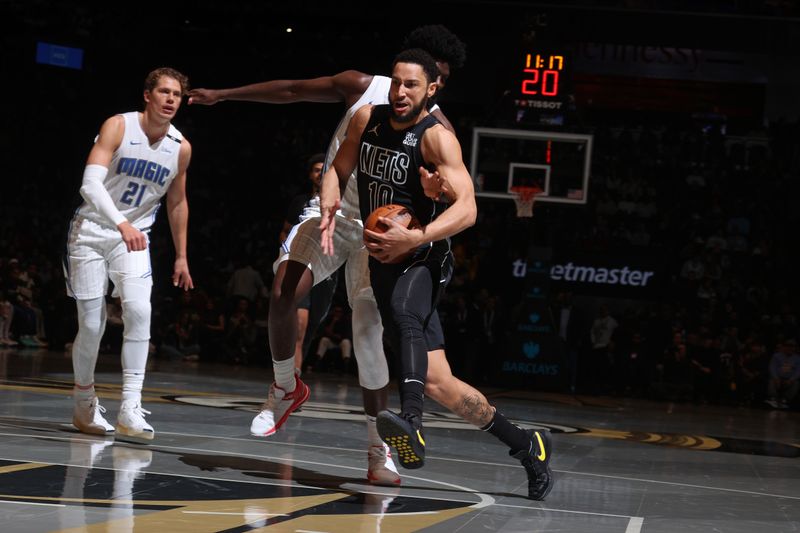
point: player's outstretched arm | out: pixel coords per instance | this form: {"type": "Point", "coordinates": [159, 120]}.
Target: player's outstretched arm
{"type": "Point", "coordinates": [178, 215]}
{"type": "Point", "coordinates": [346, 86]}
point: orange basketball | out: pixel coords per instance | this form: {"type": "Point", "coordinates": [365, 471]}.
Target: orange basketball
{"type": "Point", "coordinates": [399, 214]}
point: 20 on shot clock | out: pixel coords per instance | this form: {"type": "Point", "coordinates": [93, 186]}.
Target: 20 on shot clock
{"type": "Point", "coordinates": [543, 80]}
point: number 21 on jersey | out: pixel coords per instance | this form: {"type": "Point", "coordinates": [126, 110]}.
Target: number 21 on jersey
{"type": "Point", "coordinates": [134, 191]}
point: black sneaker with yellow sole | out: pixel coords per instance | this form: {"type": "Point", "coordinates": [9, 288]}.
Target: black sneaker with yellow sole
{"type": "Point", "coordinates": [405, 435]}
{"type": "Point", "coordinates": [536, 460]}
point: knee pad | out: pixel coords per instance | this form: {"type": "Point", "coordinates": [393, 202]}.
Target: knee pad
{"type": "Point", "coordinates": [135, 299]}
{"type": "Point", "coordinates": [373, 370]}
{"type": "Point", "coordinates": [92, 317]}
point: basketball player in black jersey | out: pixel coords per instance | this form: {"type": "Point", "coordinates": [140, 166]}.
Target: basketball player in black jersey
{"type": "Point", "coordinates": [390, 146]}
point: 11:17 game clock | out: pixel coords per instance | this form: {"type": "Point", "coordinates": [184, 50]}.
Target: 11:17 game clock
{"type": "Point", "coordinates": [543, 81]}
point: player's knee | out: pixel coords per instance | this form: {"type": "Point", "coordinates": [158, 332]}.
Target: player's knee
{"type": "Point", "coordinates": [94, 325]}
{"type": "Point", "coordinates": [406, 317]}
{"type": "Point", "coordinates": [283, 300]}
{"type": "Point", "coordinates": [136, 320]}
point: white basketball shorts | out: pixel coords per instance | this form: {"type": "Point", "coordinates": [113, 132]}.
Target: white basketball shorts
{"type": "Point", "coordinates": [304, 246]}
{"type": "Point", "coordinates": [96, 254]}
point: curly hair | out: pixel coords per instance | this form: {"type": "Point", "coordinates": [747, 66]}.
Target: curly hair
{"type": "Point", "coordinates": [151, 81]}
{"type": "Point", "coordinates": [439, 42]}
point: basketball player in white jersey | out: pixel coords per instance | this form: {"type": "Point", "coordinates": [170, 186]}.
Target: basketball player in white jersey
{"type": "Point", "coordinates": [137, 158]}
{"type": "Point", "coordinates": [302, 263]}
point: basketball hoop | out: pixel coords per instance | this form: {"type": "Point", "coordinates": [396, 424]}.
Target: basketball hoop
{"type": "Point", "coordinates": [524, 197]}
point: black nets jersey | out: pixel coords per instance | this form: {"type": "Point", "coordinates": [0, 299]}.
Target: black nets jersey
{"type": "Point", "coordinates": [388, 167]}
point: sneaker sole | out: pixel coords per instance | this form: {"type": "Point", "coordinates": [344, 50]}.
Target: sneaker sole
{"type": "Point", "coordinates": [282, 420]}
{"type": "Point", "coordinates": [549, 487]}
{"type": "Point", "coordinates": [395, 436]}
{"type": "Point", "coordinates": [126, 434]}
{"type": "Point", "coordinates": [92, 431]}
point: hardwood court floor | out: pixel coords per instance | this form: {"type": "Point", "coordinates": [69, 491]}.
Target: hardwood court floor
{"type": "Point", "coordinates": [622, 466]}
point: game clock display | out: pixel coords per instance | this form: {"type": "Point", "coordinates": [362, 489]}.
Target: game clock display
{"type": "Point", "coordinates": [542, 80]}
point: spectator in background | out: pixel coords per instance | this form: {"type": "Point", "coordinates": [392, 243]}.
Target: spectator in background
{"type": "Point", "coordinates": [241, 333]}
{"type": "Point", "coordinates": [752, 373]}
{"type": "Point", "coordinates": [784, 373]}
{"type": "Point", "coordinates": [599, 359]}
{"type": "Point", "coordinates": [182, 341]}
{"type": "Point", "coordinates": [6, 315]}
{"type": "Point", "coordinates": [28, 317]}
{"type": "Point", "coordinates": [632, 365]}
{"type": "Point", "coordinates": [245, 283]}
{"type": "Point", "coordinates": [493, 321]}
{"type": "Point", "coordinates": [673, 375]}
{"type": "Point", "coordinates": [571, 326]}
{"type": "Point", "coordinates": [337, 332]}
{"type": "Point", "coordinates": [212, 330]}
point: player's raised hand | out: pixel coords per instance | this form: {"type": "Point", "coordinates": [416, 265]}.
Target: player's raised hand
{"type": "Point", "coordinates": [203, 96]}
{"type": "Point", "coordinates": [180, 275]}
{"type": "Point", "coordinates": [327, 225]}
{"type": "Point", "coordinates": [432, 183]}
{"type": "Point", "coordinates": [134, 239]}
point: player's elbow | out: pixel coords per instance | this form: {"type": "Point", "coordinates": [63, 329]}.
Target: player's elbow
{"type": "Point", "coordinates": [86, 193]}
{"type": "Point", "coordinates": [470, 213]}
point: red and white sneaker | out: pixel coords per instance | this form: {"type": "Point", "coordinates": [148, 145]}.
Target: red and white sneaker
{"type": "Point", "coordinates": [279, 405]}
{"type": "Point", "coordinates": [382, 470]}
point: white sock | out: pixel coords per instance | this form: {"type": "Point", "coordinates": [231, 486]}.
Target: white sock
{"type": "Point", "coordinates": [134, 361]}
{"type": "Point", "coordinates": [132, 382]}
{"type": "Point", "coordinates": [284, 374]}
{"type": "Point", "coordinates": [372, 432]}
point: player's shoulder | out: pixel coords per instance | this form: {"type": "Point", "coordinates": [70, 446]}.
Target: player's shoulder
{"type": "Point", "coordinates": [437, 139]}
{"type": "Point", "coordinates": [115, 122]}
{"type": "Point", "coordinates": [438, 132]}
{"type": "Point", "coordinates": [185, 147]}
{"type": "Point", "coordinates": [362, 114]}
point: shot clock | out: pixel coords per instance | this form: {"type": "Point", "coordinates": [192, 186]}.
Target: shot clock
{"type": "Point", "coordinates": [543, 80]}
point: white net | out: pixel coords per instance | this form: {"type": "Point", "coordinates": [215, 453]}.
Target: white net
{"type": "Point", "coordinates": [524, 200]}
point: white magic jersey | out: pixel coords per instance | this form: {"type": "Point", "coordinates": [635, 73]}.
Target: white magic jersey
{"type": "Point", "coordinates": [139, 175]}
{"type": "Point", "coordinates": [377, 93]}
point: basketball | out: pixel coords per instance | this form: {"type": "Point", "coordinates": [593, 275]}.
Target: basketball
{"type": "Point", "coordinates": [399, 214]}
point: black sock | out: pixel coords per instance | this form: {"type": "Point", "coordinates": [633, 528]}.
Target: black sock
{"type": "Point", "coordinates": [412, 394]}
{"type": "Point", "coordinates": [510, 434]}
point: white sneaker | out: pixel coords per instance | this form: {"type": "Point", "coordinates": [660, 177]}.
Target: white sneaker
{"type": "Point", "coordinates": [382, 470]}
{"type": "Point", "coordinates": [279, 405]}
{"type": "Point", "coordinates": [131, 422]}
{"type": "Point", "coordinates": [87, 416]}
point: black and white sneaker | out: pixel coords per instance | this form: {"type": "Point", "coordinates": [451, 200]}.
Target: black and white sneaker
{"type": "Point", "coordinates": [536, 460]}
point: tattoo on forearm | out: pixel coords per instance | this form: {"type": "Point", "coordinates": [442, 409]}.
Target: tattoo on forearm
{"type": "Point", "coordinates": [475, 409]}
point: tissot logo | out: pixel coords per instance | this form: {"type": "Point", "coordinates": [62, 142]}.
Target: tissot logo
{"type": "Point", "coordinates": [609, 276]}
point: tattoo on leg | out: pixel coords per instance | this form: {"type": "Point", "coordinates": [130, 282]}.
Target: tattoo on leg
{"type": "Point", "coordinates": [474, 408]}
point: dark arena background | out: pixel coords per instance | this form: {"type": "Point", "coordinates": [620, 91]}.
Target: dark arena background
{"type": "Point", "coordinates": [640, 314]}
